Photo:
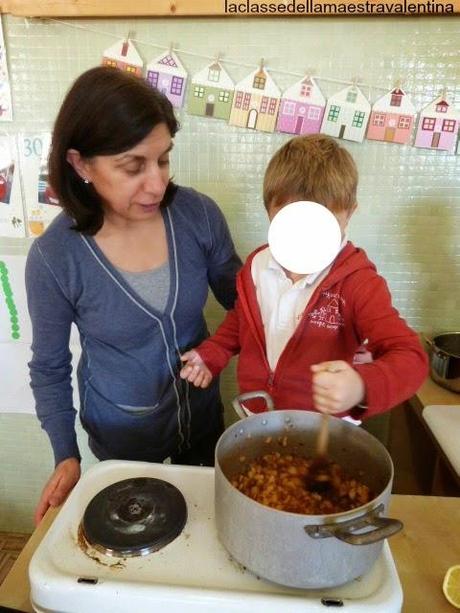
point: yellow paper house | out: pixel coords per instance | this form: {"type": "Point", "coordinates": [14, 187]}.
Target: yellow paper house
{"type": "Point", "coordinates": [256, 102]}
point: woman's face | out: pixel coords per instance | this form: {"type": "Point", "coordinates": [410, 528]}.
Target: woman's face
{"type": "Point", "coordinates": [132, 184]}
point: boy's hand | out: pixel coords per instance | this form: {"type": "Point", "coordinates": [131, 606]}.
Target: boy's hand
{"type": "Point", "coordinates": [195, 370]}
{"type": "Point", "coordinates": [337, 387]}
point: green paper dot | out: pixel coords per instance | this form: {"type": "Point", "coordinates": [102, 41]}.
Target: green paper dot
{"type": "Point", "coordinates": [16, 335]}
{"type": "Point", "coordinates": [14, 319]}
{"type": "Point", "coordinates": [15, 327]}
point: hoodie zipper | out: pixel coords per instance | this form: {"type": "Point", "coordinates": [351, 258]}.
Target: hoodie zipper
{"type": "Point", "coordinates": [270, 382]}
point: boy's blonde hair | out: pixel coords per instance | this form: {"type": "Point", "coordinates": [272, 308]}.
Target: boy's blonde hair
{"type": "Point", "coordinates": [312, 167]}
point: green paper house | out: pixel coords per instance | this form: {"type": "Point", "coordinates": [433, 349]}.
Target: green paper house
{"type": "Point", "coordinates": [211, 92]}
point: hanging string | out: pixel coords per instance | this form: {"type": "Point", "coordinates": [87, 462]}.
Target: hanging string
{"type": "Point", "coordinates": [222, 60]}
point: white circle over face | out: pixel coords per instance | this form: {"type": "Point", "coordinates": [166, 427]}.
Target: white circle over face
{"type": "Point", "coordinates": [304, 237]}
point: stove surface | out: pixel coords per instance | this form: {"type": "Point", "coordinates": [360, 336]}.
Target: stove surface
{"type": "Point", "coordinates": [194, 573]}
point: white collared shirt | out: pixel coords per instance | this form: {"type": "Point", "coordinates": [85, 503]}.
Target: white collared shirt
{"type": "Point", "coordinates": [281, 301]}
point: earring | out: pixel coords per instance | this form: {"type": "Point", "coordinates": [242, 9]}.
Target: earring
{"type": "Point", "coordinates": [86, 181]}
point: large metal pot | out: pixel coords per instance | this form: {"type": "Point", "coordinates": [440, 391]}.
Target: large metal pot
{"type": "Point", "coordinates": [445, 360]}
{"type": "Point", "coordinates": [306, 551]}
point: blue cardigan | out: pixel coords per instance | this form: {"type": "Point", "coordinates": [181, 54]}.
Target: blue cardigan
{"type": "Point", "coordinates": [134, 405]}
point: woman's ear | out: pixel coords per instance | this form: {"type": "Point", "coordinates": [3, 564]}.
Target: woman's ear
{"type": "Point", "coordinates": [78, 164]}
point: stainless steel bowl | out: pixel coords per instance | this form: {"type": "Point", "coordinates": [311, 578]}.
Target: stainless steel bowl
{"type": "Point", "coordinates": [445, 360]}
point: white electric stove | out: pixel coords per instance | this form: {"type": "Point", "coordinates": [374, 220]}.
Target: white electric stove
{"type": "Point", "coordinates": [191, 574]}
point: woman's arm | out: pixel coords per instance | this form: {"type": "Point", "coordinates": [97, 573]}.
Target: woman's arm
{"type": "Point", "coordinates": [50, 368]}
{"type": "Point", "coordinates": [223, 261]}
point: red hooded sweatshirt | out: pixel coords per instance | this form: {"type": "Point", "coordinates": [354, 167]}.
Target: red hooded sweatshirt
{"type": "Point", "coordinates": [351, 304]}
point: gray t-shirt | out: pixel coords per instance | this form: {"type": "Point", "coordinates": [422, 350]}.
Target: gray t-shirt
{"type": "Point", "coordinates": [151, 285]}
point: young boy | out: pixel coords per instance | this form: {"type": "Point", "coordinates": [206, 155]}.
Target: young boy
{"type": "Point", "coordinates": [297, 335]}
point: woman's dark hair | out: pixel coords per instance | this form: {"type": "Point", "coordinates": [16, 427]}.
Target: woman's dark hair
{"type": "Point", "coordinates": [105, 112]}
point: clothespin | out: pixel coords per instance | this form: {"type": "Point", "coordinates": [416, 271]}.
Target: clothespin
{"type": "Point", "coordinates": [354, 82]}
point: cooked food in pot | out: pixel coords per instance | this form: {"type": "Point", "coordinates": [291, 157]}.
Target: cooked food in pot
{"type": "Point", "coordinates": [283, 482]}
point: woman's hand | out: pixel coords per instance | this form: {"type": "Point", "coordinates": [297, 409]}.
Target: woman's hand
{"type": "Point", "coordinates": [337, 387]}
{"type": "Point", "coordinates": [64, 478]}
{"type": "Point", "coordinates": [195, 370]}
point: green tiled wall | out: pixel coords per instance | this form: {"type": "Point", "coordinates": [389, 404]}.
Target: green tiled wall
{"type": "Point", "coordinates": [409, 214]}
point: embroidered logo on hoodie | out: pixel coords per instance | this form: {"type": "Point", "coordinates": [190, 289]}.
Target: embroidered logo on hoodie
{"type": "Point", "coordinates": [328, 315]}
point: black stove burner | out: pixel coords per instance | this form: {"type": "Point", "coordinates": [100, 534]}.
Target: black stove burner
{"type": "Point", "coordinates": [134, 517]}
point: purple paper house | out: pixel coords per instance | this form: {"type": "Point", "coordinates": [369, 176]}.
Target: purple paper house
{"type": "Point", "coordinates": [302, 108]}
{"type": "Point", "coordinates": [438, 126]}
{"type": "Point", "coordinates": [167, 74]}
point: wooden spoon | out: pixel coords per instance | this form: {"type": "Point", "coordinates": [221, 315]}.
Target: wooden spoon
{"type": "Point", "coordinates": [318, 478]}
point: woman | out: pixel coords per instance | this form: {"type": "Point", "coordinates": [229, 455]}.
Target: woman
{"type": "Point", "coordinates": [129, 261]}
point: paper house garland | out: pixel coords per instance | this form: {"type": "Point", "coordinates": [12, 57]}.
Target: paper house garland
{"type": "Point", "coordinates": [346, 115]}
{"type": "Point", "coordinates": [211, 92]}
{"type": "Point", "coordinates": [167, 73]}
{"type": "Point", "coordinates": [302, 108]}
{"type": "Point", "coordinates": [392, 118]}
{"type": "Point", "coordinates": [438, 125]}
{"type": "Point", "coordinates": [256, 102]}
{"type": "Point", "coordinates": [123, 55]}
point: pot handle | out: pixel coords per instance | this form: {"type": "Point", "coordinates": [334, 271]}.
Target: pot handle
{"type": "Point", "coordinates": [428, 341]}
{"type": "Point", "coordinates": [242, 412]}
{"type": "Point", "coordinates": [433, 347]}
{"type": "Point", "coordinates": [344, 531]}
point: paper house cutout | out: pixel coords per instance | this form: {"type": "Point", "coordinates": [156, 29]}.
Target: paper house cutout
{"type": "Point", "coordinates": [392, 118]}
{"type": "Point", "coordinates": [256, 102]}
{"type": "Point", "coordinates": [124, 55]}
{"type": "Point", "coordinates": [438, 125]}
{"type": "Point", "coordinates": [346, 115]}
{"type": "Point", "coordinates": [167, 73]}
{"type": "Point", "coordinates": [302, 108]}
{"type": "Point", "coordinates": [211, 92]}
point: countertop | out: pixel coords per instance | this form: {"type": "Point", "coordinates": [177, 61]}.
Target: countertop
{"type": "Point", "coordinates": [432, 393]}
{"type": "Point", "coordinates": [423, 552]}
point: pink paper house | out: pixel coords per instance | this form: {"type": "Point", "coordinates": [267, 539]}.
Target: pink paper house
{"type": "Point", "coordinates": [438, 126]}
{"type": "Point", "coordinates": [124, 56]}
{"type": "Point", "coordinates": [302, 108]}
{"type": "Point", "coordinates": [392, 118]}
{"type": "Point", "coordinates": [256, 102]}
{"type": "Point", "coordinates": [167, 73]}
